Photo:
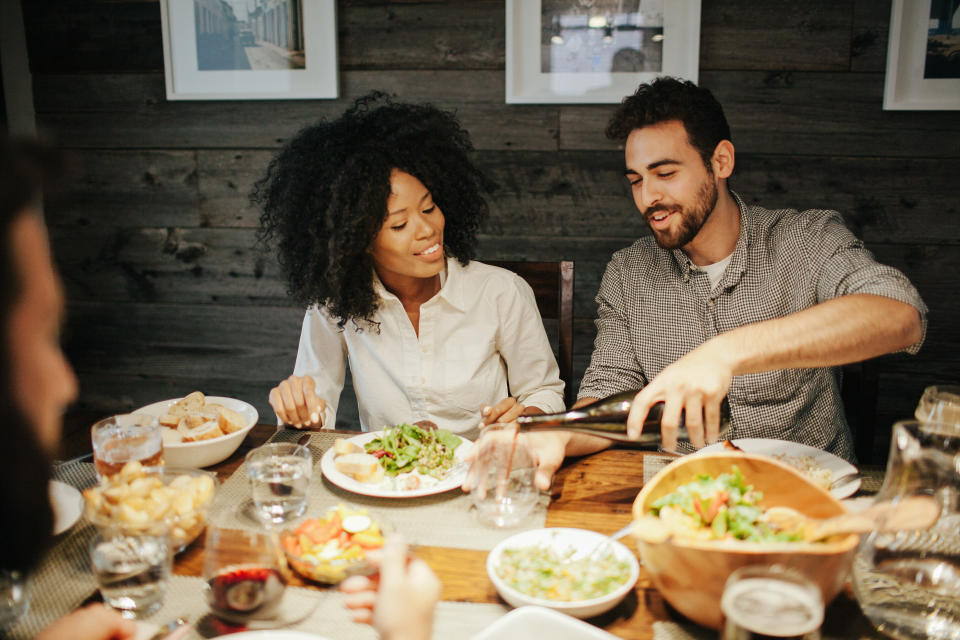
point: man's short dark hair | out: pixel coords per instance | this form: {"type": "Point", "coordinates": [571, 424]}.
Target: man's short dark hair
{"type": "Point", "coordinates": [667, 99]}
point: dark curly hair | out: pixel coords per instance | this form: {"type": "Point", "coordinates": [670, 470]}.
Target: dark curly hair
{"type": "Point", "coordinates": [667, 99]}
{"type": "Point", "coordinates": [324, 197]}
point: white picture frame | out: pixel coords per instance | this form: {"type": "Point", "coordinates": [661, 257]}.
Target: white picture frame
{"type": "Point", "coordinates": [905, 88]}
{"type": "Point", "coordinates": [292, 61]}
{"type": "Point", "coordinates": [527, 83]}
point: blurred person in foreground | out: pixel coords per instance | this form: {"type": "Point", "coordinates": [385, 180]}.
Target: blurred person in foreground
{"type": "Point", "coordinates": [727, 299]}
{"type": "Point", "coordinates": [36, 386]}
{"type": "Point", "coordinates": [400, 601]}
{"type": "Point", "coordinates": [37, 383]}
{"type": "Point", "coordinates": [375, 216]}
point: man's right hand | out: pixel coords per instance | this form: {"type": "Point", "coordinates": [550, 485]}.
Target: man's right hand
{"type": "Point", "coordinates": [296, 403]}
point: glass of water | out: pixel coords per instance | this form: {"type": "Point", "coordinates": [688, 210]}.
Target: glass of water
{"type": "Point", "coordinates": [940, 404]}
{"type": "Point", "coordinates": [279, 477]}
{"type": "Point", "coordinates": [502, 477]}
{"type": "Point", "coordinates": [762, 602]}
{"type": "Point", "coordinates": [132, 569]}
{"type": "Point", "coordinates": [14, 599]}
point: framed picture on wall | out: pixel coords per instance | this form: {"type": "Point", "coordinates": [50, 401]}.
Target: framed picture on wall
{"type": "Point", "coordinates": [597, 51]}
{"type": "Point", "coordinates": [249, 49]}
{"type": "Point", "coordinates": [923, 56]}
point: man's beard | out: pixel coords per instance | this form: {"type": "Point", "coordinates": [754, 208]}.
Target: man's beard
{"type": "Point", "coordinates": [691, 221]}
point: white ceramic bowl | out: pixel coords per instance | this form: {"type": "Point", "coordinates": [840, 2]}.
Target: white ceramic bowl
{"type": "Point", "coordinates": [193, 455]}
{"type": "Point", "coordinates": [563, 538]}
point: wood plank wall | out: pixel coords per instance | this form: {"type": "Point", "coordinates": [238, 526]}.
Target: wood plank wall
{"type": "Point", "coordinates": [156, 240]}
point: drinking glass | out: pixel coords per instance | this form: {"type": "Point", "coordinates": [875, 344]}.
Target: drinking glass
{"type": "Point", "coordinates": [940, 404]}
{"type": "Point", "coordinates": [244, 574]}
{"type": "Point", "coordinates": [120, 439]}
{"type": "Point", "coordinates": [770, 602]}
{"type": "Point", "coordinates": [14, 598]}
{"type": "Point", "coordinates": [132, 568]}
{"type": "Point", "coordinates": [279, 477]}
{"type": "Point", "coordinates": [907, 581]}
{"type": "Point", "coordinates": [503, 492]}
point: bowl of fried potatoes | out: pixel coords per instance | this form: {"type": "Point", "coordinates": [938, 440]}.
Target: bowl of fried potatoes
{"type": "Point", "coordinates": [135, 500]}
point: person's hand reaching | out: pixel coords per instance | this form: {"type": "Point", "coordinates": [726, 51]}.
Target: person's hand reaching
{"type": "Point", "coordinates": [93, 622]}
{"type": "Point", "coordinates": [400, 603]}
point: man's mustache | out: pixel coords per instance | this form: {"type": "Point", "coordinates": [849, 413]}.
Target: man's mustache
{"type": "Point", "coordinates": [650, 211]}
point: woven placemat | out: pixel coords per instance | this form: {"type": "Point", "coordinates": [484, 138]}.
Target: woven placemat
{"type": "Point", "coordinates": [653, 463]}
{"type": "Point", "coordinates": [63, 579]}
{"type": "Point", "coordinates": [444, 519]}
{"type": "Point", "coordinates": [322, 611]}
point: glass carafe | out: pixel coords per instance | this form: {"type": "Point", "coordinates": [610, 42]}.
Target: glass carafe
{"type": "Point", "coordinates": [908, 583]}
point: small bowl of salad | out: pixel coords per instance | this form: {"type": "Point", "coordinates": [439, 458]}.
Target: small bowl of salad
{"type": "Point", "coordinates": [573, 571]}
{"type": "Point", "coordinates": [333, 546]}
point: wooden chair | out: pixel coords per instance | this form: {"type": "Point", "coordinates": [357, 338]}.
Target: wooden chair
{"type": "Point", "coordinates": [859, 393]}
{"type": "Point", "coordinates": [552, 284]}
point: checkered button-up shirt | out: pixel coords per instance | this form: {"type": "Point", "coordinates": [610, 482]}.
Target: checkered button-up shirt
{"type": "Point", "coordinates": [655, 305]}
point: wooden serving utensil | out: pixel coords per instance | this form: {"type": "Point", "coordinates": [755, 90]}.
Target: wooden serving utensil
{"type": "Point", "coordinates": [908, 514]}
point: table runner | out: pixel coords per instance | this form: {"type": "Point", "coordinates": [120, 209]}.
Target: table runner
{"type": "Point", "coordinates": [444, 520]}
{"type": "Point", "coordinates": [330, 618]}
{"type": "Point", "coordinates": [63, 579]}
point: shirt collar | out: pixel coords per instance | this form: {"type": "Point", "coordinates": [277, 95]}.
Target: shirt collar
{"type": "Point", "coordinates": [738, 261]}
{"type": "Point", "coordinates": [451, 286]}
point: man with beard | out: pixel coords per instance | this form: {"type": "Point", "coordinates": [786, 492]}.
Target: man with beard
{"type": "Point", "coordinates": [729, 300]}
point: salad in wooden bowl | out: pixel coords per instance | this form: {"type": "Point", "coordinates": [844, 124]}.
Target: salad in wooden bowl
{"type": "Point", "coordinates": [712, 506]}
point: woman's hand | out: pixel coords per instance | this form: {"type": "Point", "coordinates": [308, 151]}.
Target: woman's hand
{"type": "Point", "coordinates": [507, 410]}
{"type": "Point", "coordinates": [93, 622]}
{"type": "Point", "coordinates": [401, 607]}
{"type": "Point", "coordinates": [547, 449]}
{"type": "Point", "coordinates": [296, 403]}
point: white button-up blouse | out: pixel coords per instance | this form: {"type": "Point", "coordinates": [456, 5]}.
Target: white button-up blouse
{"type": "Point", "coordinates": [481, 340]}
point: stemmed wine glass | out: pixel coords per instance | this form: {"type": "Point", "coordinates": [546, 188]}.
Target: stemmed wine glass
{"type": "Point", "coordinates": [245, 573]}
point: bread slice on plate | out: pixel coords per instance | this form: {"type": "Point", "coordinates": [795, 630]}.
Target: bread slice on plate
{"type": "Point", "coordinates": [362, 467]}
{"type": "Point", "coordinates": [342, 447]}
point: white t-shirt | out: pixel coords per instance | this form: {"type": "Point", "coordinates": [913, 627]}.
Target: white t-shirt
{"type": "Point", "coordinates": [715, 270]}
{"type": "Point", "coordinates": [480, 335]}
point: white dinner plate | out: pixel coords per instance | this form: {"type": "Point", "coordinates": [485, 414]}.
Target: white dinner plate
{"type": "Point", "coordinates": [67, 506]}
{"type": "Point", "coordinates": [540, 622]}
{"type": "Point", "coordinates": [772, 447]}
{"type": "Point", "coordinates": [271, 634]}
{"type": "Point", "coordinates": [451, 481]}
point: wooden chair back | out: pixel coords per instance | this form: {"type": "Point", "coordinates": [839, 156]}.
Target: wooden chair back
{"type": "Point", "coordinates": [552, 284]}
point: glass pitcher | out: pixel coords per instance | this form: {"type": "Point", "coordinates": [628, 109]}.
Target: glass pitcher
{"type": "Point", "coordinates": [908, 583]}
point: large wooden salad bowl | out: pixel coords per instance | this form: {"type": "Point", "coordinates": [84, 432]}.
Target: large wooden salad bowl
{"type": "Point", "coordinates": [691, 574]}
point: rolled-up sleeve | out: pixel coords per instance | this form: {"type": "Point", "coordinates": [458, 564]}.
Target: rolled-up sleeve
{"type": "Point", "coordinates": [322, 356]}
{"type": "Point", "coordinates": [841, 266]}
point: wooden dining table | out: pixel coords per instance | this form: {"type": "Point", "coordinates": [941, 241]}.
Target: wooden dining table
{"type": "Point", "coordinates": [593, 492]}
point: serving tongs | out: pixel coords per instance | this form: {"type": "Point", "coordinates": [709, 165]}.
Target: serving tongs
{"type": "Point", "coordinates": [608, 421]}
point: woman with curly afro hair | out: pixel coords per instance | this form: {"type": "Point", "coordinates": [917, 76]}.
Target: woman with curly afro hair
{"type": "Point", "coordinates": [375, 218]}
